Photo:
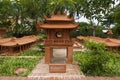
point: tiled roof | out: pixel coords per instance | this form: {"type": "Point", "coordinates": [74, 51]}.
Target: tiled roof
{"type": "Point", "coordinates": [58, 26]}
{"type": "Point", "coordinates": [59, 17]}
{"type": "Point", "coordinates": [109, 42]}
{"type": "Point", "coordinates": [17, 41]}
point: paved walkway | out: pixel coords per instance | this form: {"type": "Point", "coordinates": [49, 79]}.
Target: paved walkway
{"type": "Point", "coordinates": [82, 78]}
{"type": "Point", "coordinates": [59, 56]}
{"type": "Point", "coordinates": [41, 71]}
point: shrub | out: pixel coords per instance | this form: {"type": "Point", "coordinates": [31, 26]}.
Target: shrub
{"type": "Point", "coordinates": [94, 46]}
{"type": "Point", "coordinates": [40, 46]}
{"type": "Point", "coordinates": [41, 36]}
{"type": "Point", "coordinates": [21, 30]}
{"type": "Point", "coordinates": [5, 24]}
{"type": "Point", "coordinates": [97, 61]}
{"type": "Point", "coordinates": [116, 31]}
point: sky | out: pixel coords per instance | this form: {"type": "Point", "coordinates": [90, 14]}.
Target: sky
{"type": "Point", "coordinates": [82, 19]}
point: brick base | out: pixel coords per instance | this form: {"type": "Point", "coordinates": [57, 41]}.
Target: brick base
{"type": "Point", "coordinates": [57, 68]}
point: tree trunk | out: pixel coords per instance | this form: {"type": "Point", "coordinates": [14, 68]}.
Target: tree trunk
{"type": "Point", "coordinates": [94, 28]}
{"type": "Point", "coordinates": [36, 19]}
{"type": "Point", "coordinates": [16, 20]}
{"type": "Point", "coordinates": [94, 32]}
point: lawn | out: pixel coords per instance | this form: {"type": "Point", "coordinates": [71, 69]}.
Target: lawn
{"type": "Point", "coordinates": [8, 65]}
{"type": "Point", "coordinates": [31, 52]}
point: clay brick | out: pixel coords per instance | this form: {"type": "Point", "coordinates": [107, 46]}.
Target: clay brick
{"type": "Point", "coordinates": [57, 68]}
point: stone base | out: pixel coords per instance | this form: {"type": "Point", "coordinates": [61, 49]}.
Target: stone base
{"type": "Point", "coordinates": [57, 68]}
{"type": "Point", "coordinates": [42, 71]}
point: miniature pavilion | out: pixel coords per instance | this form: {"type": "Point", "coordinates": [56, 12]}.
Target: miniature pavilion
{"type": "Point", "coordinates": [58, 28]}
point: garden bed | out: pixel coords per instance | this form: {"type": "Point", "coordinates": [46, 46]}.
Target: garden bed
{"type": "Point", "coordinates": [28, 59]}
{"type": "Point", "coordinates": [98, 62]}
{"type": "Point", "coordinates": [8, 65]}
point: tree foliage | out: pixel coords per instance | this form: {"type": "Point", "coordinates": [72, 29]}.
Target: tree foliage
{"type": "Point", "coordinates": [116, 18]}
{"type": "Point", "coordinates": [117, 14]}
{"type": "Point", "coordinates": [4, 9]}
{"type": "Point", "coordinates": [34, 10]}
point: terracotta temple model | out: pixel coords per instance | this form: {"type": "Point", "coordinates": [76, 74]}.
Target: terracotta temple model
{"type": "Point", "coordinates": [58, 28]}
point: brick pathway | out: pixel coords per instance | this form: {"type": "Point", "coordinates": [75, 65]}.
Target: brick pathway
{"type": "Point", "coordinates": [82, 78]}
{"type": "Point", "coordinates": [41, 71]}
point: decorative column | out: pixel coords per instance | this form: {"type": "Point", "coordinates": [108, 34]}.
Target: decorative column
{"type": "Point", "coordinates": [47, 55]}
{"type": "Point", "coordinates": [70, 54]}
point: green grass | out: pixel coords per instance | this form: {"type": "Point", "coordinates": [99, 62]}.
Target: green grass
{"type": "Point", "coordinates": [8, 65]}
{"type": "Point", "coordinates": [32, 53]}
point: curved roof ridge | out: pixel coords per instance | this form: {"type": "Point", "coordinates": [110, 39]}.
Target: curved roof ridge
{"type": "Point", "coordinates": [59, 17]}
